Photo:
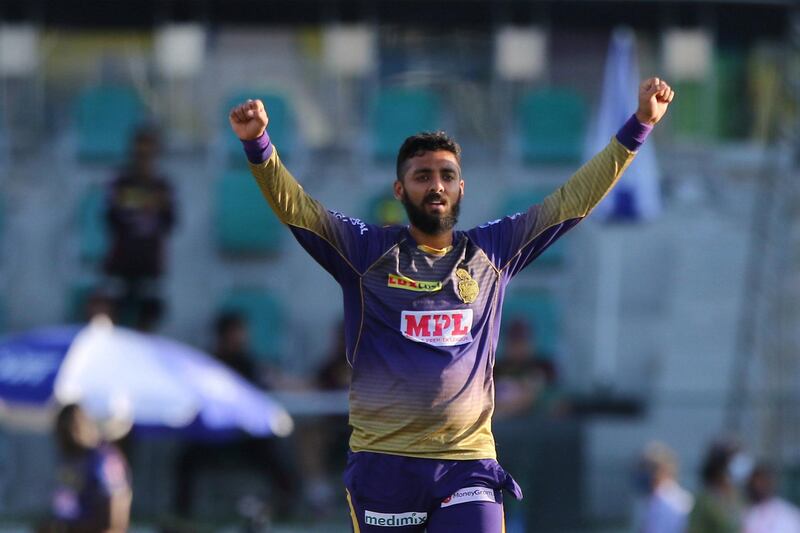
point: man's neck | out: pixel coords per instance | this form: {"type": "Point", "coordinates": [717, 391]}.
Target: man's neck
{"type": "Point", "coordinates": [439, 242]}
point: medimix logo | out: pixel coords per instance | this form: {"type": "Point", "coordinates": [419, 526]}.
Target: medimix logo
{"type": "Point", "coordinates": [437, 328]}
{"type": "Point", "coordinates": [394, 520]}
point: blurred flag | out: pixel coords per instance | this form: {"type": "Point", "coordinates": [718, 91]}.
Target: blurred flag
{"type": "Point", "coordinates": [637, 196]}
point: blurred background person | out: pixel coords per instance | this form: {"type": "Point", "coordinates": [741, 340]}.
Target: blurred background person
{"type": "Point", "coordinates": [665, 505]}
{"type": "Point", "coordinates": [140, 215]}
{"type": "Point", "coordinates": [263, 454]}
{"type": "Point", "coordinates": [767, 512]}
{"type": "Point", "coordinates": [323, 439]}
{"type": "Point", "coordinates": [525, 379]}
{"type": "Point", "coordinates": [93, 488]}
{"type": "Point", "coordinates": [718, 507]}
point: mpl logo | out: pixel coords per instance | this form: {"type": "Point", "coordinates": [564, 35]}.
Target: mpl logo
{"type": "Point", "coordinates": [394, 519]}
{"type": "Point", "coordinates": [437, 328]}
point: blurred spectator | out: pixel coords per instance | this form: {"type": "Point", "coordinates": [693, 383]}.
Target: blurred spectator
{"type": "Point", "coordinates": [98, 303]}
{"type": "Point", "coordinates": [768, 513]}
{"type": "Point", "coordinates": [718, 507]}
{"type": "Point", "coordinates": [140, 215]}
{"type": "Point", "coordinates": [524, 378]}
{"type": "Point", "coordinates": [232, 345]}
{"type": "Point", "coordinates": [232, 348]}
{"type": "Point", "coordinates": [93, 489]}
{"type": "Point", "coordinates": [322, 440]}
{"type": "Point", "coordinates": [666, 505]}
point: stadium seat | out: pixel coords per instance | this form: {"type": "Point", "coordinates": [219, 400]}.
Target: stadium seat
{"type": "Point", "coordinates": [385, 210]}
{"type": "Point", "coordinates": [398, 113]}
{"type": "Point", "coordinates": [77, 298]}
{"type": "Point", "coordinates": [106, 118]}
{"type": "Point", "coordinates": [265, 320]}
{"type": "Point", "coordinates": [519, 202]}
{"type": "Point", "coordinates": [552, 126]}
{"type": "Point", "coordinates": [92, 232]}
{"type": "Point", "coordinates": [244, 222]}
{"type": "Point", "coordinates": [282, 125]}
{"type": "Point", "coordinates": [538, 308]}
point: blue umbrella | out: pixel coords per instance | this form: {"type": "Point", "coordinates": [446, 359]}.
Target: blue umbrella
{"type": "Point", "coordinates": [121, 375]}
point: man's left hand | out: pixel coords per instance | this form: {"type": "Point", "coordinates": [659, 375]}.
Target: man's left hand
{"type": "Point", "coordinates": [655, 96]}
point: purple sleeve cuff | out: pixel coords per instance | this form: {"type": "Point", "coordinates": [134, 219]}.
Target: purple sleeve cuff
{"type": "Point", "coordinates": [258, 150]}
{"type": "Point", "coordinates": [633, 133]}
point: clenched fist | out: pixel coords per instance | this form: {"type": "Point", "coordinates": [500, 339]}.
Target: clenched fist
{"type": "Point", "coordinates": [654, 97]}
{"type": "Point", "coordinates": [249, 120]}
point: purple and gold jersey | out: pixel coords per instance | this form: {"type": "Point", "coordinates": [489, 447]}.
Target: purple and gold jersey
{"type": "Point", "coordinates": [422, 327]}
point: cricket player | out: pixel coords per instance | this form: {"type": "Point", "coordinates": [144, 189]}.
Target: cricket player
{"type": "Point", "coordinates": [422, 306]}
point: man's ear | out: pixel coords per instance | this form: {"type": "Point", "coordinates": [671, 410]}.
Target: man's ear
{"type": "Point", "coordinates": [398, 189]}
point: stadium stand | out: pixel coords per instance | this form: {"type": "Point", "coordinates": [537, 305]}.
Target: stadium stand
{"type": "Point", "coordinates": [244, 224]}
{"type": "Point", "coordinates": [265, 320]}
{"type": "Point", "coordinates": [92, 233]}
{"type": "Point", "coordinates": [106, 117]}
{"type": "Point", "coordinates": [552, 124]}
{"type": "Point", "coordinates": [538, 308]}
{"type": "Point", "coordinates": [399, 112]}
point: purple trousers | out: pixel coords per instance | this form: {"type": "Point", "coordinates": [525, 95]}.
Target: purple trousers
{"type": "Point", "coordinates": [396, 494]}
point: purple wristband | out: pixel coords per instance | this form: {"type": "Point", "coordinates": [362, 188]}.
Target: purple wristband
{"type": "Point", "coordinates": [258, 150]}
{"type": "Point", "coordinates": [633, 133]}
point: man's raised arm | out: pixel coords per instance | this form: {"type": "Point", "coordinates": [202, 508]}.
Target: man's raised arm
{"type": "Point", "coordinates": [515, 241]}
{"type": "Point", "coordinates": [576, 198]}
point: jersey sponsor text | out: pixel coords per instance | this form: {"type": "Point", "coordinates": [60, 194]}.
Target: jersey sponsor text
{"type": "Point", "coordinates": [438, 328]}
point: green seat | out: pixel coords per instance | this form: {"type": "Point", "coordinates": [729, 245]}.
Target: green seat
{"type": "Point", "coordinates": [538, 308]}
{"type": "Point", "coordinates": [716, 108]}
{"type": "Point", "coordinates": [692, 119]}
{"type": "Point", "coordinates": [264, 316]}
{"type": "Point", "coordinates": [77, 298]}
{"type": "Point", "coordinates": [519, 202]}
{"type": "Point", "coordinates": [552, 126]}
{"type": "Point", "coordinates": [385, 210]}
{"type": "Point", "coordinates": [244, 222]}
{"type": "Point", "coordinates": [282, 128]}
{"type": "Point", "coordinates": [398, 113]}
{"type": "Point", "coordinates": [92, 230]}
{"type": "Point", "coordinates": [107, 117]}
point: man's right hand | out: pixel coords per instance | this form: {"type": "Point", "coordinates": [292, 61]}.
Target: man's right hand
{"type": "Point", "coordinates": [249, 120]}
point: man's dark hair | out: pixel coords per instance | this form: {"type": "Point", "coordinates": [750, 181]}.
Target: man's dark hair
{"type": "Point", "coordinates": [427, 141]}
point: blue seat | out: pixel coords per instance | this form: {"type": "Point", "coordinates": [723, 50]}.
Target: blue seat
{"type": "Point", "coordinates": [519, 202]}
{"type": "Point", "coordinates": [398, 113]}
{"type": "Point", "coordinates": [539, 310]}
{"type": "Point", "coordinates": [92, 230]}
{"type": "Point", "coordinates": [282, 126]}
{"type": "Point", "coordinates": [107, 117]}
{"type": "Point", "coordinates": [264, 316]}
{"type": "Point", "coordinates": [552, 126]}
{"type": "Point", "coordinates": [244, 222]}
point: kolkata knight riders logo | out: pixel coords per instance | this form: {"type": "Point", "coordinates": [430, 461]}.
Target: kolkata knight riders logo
{"type": "Point", "coordinates": [467, 287]}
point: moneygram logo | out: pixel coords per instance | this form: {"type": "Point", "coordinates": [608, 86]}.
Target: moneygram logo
{"type": "Point", "coordinates": [437, 328]}
{"type": "Point", "coordinates": [394, 519]}
{"type": "Point", "coordinates": [402, 282]}
{"type": "Point", "coordinates": [470, 494]}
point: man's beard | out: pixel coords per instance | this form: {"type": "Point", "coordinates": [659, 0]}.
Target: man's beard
{"type": "Point", "coordinates": [427, 223]}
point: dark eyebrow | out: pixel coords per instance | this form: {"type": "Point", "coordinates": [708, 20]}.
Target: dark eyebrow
{"type": "Point", "coordinates": [448, 167]}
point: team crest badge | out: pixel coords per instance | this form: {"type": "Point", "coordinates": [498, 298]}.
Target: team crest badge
{"type": "Point", "coordinates": [467, 287]}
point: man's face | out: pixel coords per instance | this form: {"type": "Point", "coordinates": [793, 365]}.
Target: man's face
{"type": "Point", "coordinates": [431, 189]}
